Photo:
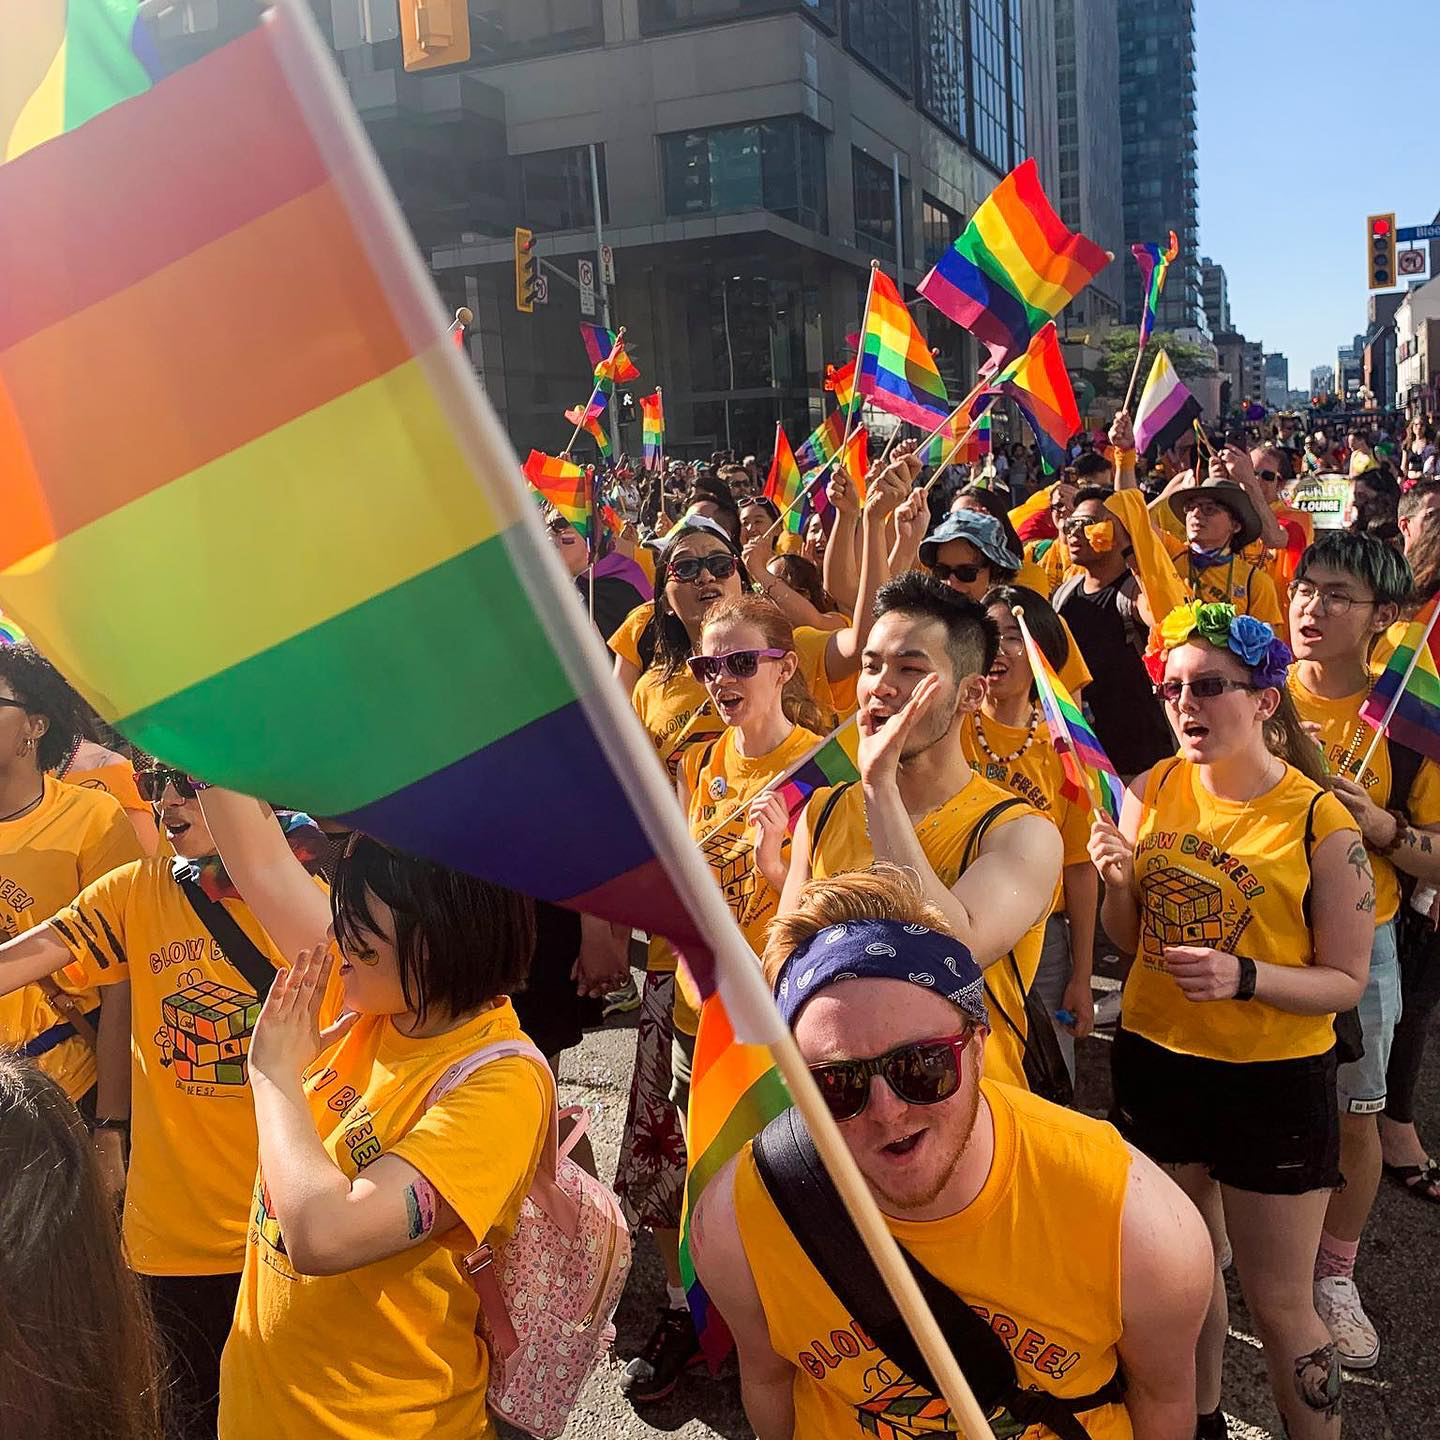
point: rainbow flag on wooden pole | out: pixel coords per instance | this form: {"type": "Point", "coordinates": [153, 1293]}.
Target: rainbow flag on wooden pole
{"type": "Point", "coordinates": [652, 429]}
{"type": "Point", "coordinates": [1039, 385]}
{"type": "Point", "coordinates": [1089, 775]}
{"type": "Point", "coordinates": [1405, 703]}
{"type": "Point", "coordinates": [897, 371]}
{"type": "Point", "coordinates": [784, 484]}
{"type": "Point", "coordinates": [563, 485]}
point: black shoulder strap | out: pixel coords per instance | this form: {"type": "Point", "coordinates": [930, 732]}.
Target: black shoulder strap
{"type": "Point", "coordinates": [796, 1180]}
{"type": "Point", "coordinates": [1405, 765]}
{"type": "Point", "coordinates": [240, 950]}
{"type": "Point", "coordinates": [1309, 849]}
{"type": "Point", "coordinates": [972, 845]}
{"type": "Point", "coordinates": [826, 810]}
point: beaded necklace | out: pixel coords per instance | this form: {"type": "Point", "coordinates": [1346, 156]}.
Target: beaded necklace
{"type": "Point", "coordinates": [984, 744]}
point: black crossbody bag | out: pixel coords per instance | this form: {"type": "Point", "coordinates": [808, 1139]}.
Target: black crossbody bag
{"type": "Point", "coordinates": [803, 1193]}
{"type": "Point", "coordinates": [240, 950]}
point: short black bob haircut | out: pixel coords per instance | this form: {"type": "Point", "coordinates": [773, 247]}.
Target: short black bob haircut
{"type": "Point", "coordinates": [461, 942]}
{"type": "Point", "coordinates": [971, 639]}
{"type": "Point", "coordinates": [1045, 626]}
{"type": "Point", "coordinates": [41, 689]}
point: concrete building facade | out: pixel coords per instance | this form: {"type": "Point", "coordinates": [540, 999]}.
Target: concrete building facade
{"type": "Point", "coordinates": [746, 154]}
{"type": "Point", "coordinates": [1215, 295]}
{"type": "Point", "coordinates": [1417, 350]}
{"type": "Point", "coordinates": [1322, 380]}
{"type": "Point", "coordinates": [1277, 381]}
{"type": "Point", "coordinates": [1242, 370]}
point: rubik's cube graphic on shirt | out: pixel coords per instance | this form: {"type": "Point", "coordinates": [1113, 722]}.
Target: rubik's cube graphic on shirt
{"type": "Point", "coordinates": [208, 1026]}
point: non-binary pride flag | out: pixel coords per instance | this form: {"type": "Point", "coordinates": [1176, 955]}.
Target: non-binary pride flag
{"type": "Point", "coordinates": [1014, 267]}
{"type": "Point", "coordinates": [1154, 265]}
{"type": "Point", "coordinates": [652, 429]}
{"type": "Point", "coordinates": [1040, 386]}
{"type": "Point", "coordinates": [1410, 683]}
{"type": "Point", "coordinates": [1089, 777]}
{"type": "Point", "coordinates": [329, 417]}
{"type": "Point", "coordinates": [62, 64]}
{"type": "Point", "coordinates": [897, 371]}
{"type": "Point", "coordinates": [563, 485]}
{"type": "Point", "coordinates": [1166, 409]}
{"type": "Point", "coordinates": [608, 357]}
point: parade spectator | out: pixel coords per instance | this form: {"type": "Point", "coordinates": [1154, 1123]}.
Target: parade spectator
{"type": "Point", "coordinates": [1224, 1062]}
{"type": "Point", "coordinates": [1362, 453]}
{"type": "Point", "coordinates": [987, 858]}
{"type": "Point", "coordinates": [973, 1178]}
{"type": "Point", "coordinates": [1413, 511]}
{"type": "Point", "coordinates": [78, 1359]}
{"type": "Point", "coordinates": [1347, 590]}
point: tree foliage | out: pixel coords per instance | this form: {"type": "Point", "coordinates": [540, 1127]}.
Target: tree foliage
{"type": "Point", "coordinates": [1118, 359]}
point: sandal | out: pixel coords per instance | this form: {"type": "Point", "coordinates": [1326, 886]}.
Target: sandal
{"type": "Point", "coordinates": [1422, 1181]}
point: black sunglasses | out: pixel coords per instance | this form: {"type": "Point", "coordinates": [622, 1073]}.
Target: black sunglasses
{"type": "Point", "coordinates": [1207, 687]}
{"type": "Point", "coordinates": [151, 784]}
{"type": "Point", "coordinates": [924, 1072]}
{"type": "Point", "coordinates": [687, 569]}
{"type": "Point", "coordinates": [965, 574]}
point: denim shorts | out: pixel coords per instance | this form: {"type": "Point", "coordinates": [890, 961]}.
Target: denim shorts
{"type": "Point", "coordinates": [1361, 1083]}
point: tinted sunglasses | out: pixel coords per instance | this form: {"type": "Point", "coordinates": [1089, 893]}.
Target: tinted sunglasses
{"type": "Point", "coordinates": [742, 664]}
{"type": "Point", "coordinates": [965, 574]}
{"type": "Point", "coordinates": [687, 570]}
{"type": "Point", "coordinates": [1207, 687]}
{"type": "Point", "coordinates": [924, 1072]}
{"type": "Point", "coordinates": [151, 784]}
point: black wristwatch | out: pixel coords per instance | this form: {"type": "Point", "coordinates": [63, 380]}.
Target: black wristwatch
{"type": "Point", "coordinates": [1245, 990]}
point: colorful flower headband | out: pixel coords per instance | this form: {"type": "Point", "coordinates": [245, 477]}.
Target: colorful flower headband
{"type": "Point", "coordinates": [1252, 640]}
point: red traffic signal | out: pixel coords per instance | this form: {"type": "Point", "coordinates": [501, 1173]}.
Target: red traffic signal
{"type": "Point", "coordinates": [1380, 226]}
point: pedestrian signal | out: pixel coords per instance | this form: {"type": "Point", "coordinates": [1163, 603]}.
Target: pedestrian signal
{"type": "Point", "coordinates": [527, 271]}
{"type": "Point", "coordinates": [1380, 245]}
{"type": "Point", "coordinates": [434, 33]}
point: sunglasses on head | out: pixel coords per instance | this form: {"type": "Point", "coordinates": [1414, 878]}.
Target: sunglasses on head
{"type": "Point", "coordinates": [924, 1072]}
{"type": "Point", "coordinates": [151, 784]}
{"type": "Point", "coordinates": [742, 664]}
{"type": "Point", "coordinates": [1207, 687]}
{"type": "Point", "coordinates": [687, 569]}
{"type": "Point", "coordinates": [965, 574]}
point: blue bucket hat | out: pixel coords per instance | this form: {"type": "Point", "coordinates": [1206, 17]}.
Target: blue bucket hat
{"type": "Point", "coordinates": [981, 530]}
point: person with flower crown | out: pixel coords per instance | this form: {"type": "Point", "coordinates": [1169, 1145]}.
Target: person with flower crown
{"type": "Point", "coordinates": [1243, 888]}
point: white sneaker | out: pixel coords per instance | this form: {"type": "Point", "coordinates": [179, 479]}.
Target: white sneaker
{"type": "Point", "coordinates": [1338, 1303]}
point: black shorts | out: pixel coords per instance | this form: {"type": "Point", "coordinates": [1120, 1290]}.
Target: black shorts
{"type": "Point", "coordinates": [1269, 1126]}
{"type": "Point", "coordinates": [551, 1013]}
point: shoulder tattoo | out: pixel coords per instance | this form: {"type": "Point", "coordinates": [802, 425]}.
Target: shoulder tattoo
{"type": "Point", "coordinates": [420, 1208]}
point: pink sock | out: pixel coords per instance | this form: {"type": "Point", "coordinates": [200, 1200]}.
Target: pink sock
{"type": "Point", "coordinates": [1336, 1257]}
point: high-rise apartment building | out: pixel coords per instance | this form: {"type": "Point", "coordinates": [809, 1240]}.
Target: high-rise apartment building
{"type": "Point", "coordinates": [1322, 379]}
{"type": "Point", "coordinates": [1157, 123]}
{"type": "Point", "coordinates": [1215, 295]}
{"type": "Point", "coordinates": [1089, 194]}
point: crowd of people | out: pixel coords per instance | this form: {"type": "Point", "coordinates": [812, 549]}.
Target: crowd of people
{"type": "Point", "coordinates": [242, 1177]}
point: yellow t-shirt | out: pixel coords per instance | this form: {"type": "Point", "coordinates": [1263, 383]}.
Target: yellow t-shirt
{"type": "Point", "coordinates": [1231, 876]}
{"type": "Point", "coordinates": [1051, 558]}
{"type": "Point", "coordinates": [1036, 1253]}
{"type": "Point", "coordinates": [1034, 577]}
{"type": "Point", "coordinates": [944, 836]}
{"type": "Point", "coordinates": [1233, 582]}
{"type": "Point", "coordinates": [73, 837]}
{"type": "Point", "coordinates": [192, 1126]}
{"type": "Point", "coordinates": [1345, 738]}
{"type": "Point", "coordinates": [388, 1348]}
{"type": "Point", "coordinates": [721, 790]}
{"type": "Point", "coordinates": [1029, 767]}
{"type": "Point", "coordinates": [625, 642]}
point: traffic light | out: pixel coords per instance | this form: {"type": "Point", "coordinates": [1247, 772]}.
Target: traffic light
{"type": "Point", "coordinates": [1380, 244]}
{"type": "Point", "coordinates": [435, 33]}
{"type": "Point", "coordinates": [527, 271]}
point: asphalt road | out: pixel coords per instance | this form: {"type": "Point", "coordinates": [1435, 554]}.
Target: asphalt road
{"type": "Point", "coordinates": [1399, 1263]}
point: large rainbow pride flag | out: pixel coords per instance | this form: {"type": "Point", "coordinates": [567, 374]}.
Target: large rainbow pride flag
{"type": "Point", "coordinates": [1014, 267]}
{"type": "Point", "coordinates": [367, 620]}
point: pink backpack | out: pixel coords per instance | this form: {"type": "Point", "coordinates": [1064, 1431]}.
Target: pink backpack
{"type": "Point", "coordinates": [547, 1296]}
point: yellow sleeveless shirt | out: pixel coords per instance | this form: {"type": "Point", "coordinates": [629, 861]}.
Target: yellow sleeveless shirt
{"type": "Point", "coordinates": [1231, 876]}
{"type": "Point", "coordinates": [944, 836]}
{"type": "Point", "coordinates": [1037, 1253]}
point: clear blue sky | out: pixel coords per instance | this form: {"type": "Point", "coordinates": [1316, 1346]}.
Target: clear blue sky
{"type": "Point", "coordinates": [1290, 91]}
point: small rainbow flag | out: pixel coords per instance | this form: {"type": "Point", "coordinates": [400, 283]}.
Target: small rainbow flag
{"type": "Point", "coordinates": [610, 520]}
{"type": "Point", "coordinates": [1405, 702]}
{"type": "Point", "coordinates": [842, 383]}
{"type": "Point", "coordinates": [652, 429]}
{"type": "Point", "coordinates": [1040, 386]}
{"type": "Point", "coordinates": [855, 459]}
{"type": "Point", "coordinates": [936, 451]}
{"type": "Point", "coordinates": [562, 485]}
{"type": "Point", "coordinates": [588, 420]}
{"type": "Point", "coordinates": [735, 1091]}
{"type": "Point", "coordinates": [1014, 267]}
{"type": "Point", "coordinates": [897, 370]}
{"type": "Point", "coordinates": [607, 354]}
{"type": "Point", "coordinates": [1089, 775]}
{"type": "Point", "coordinates": [67, 63]}
{"type": "Point", "coordinates": [784, 482]}
{"type": "Point", "coordinates": [1154, 265]}
{"type": "Point", "coordinates": [834, 761]}
{"type": "Point", "coordinates": [822, 444]}
{"type": "Point", "coordinates": [10, 632]}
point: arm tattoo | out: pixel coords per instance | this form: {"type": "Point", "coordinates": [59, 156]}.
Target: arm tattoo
{"type": "Point", "coordinates": [1317, 1381]}
{"type": "Point", "coordinates": [420, 1208]}
{"type": "Point", "coordinates": [1366, 903]}
{"type": "Point", "coordinates": [1358, 858]}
